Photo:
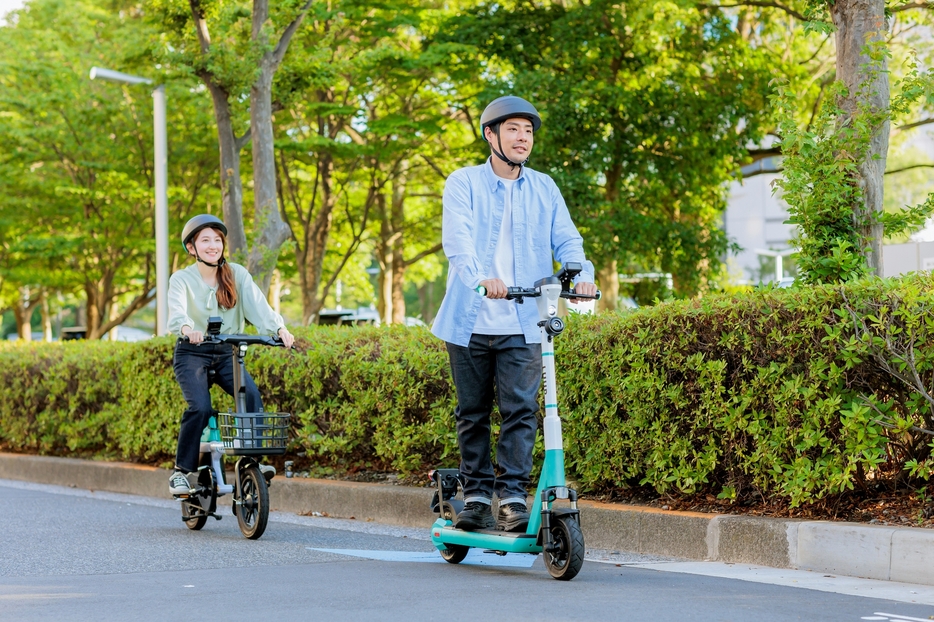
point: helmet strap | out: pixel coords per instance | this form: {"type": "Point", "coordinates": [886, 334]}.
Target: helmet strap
{"type": "Point", "coordinates": [220, 262]}
{"type": "Point", "coordinates": [499, 154]}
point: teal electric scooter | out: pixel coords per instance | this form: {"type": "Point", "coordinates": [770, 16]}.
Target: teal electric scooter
{"type": "Point", "coordinates": [554, 531]}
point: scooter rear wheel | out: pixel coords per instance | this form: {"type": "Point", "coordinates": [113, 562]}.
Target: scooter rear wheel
{"type": "Point", "coordinates": [567, 559]}
{"type": "Point", "coordinates": [253, 507]}
{"type": "Point", "coordinates": [454, 553]}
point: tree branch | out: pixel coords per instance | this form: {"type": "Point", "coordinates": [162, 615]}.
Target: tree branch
{"type": "Point", "coordinates": [908, 126]}
{"type": "Point", "coordinates": [912, 5]}
{"type": "Point", "coordinates": [279, 52]}
{"type": "Point", "coordinates": [908, 168]}
{"type": "Point", "coordinates": [430, 251]}
{"type": "Point", "coordinates": [767, 5]}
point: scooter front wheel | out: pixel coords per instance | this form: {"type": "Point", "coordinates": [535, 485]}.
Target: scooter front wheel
{"type": "Point", "coordinates": [567, 557]}
{"type": "Point", "coordinates": [454, 553]}
{"type": "Point", "coordinates": [253, 505]}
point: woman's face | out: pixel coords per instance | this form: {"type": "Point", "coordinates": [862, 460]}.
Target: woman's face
{"type": "Point", "coordinates": [209, 244]}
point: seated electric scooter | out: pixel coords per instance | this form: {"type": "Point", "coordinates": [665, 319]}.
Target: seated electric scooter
{"type": "Point", "coordinates": [238, 433]}
{"type": "Point", "coordinates": [552, 530]}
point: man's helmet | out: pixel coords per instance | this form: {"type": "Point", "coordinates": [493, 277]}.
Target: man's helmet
{"type": "Point", "coordinates": [199, 222]}
{"type": "Point", "coordinates": [508, 107]}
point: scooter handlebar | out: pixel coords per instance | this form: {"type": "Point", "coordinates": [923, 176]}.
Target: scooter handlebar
{"type": "Point", "coordinates": [514, 293]}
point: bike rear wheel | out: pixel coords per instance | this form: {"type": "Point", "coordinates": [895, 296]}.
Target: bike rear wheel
{"type": "Point", "coordinates": [252, 506]}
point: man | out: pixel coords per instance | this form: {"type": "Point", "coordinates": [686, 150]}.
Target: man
{"type": "Point", "coordinates": [503, 225]}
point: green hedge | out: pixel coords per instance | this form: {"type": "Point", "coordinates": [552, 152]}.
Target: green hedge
{"type": "Point", "coordinates": [792, 394]}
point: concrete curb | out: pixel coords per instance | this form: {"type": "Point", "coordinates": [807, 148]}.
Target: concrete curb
{"type": "Point", "coordinates": [877, 552]}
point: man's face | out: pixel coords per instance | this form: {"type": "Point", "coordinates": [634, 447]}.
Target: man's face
{"type": "Point", "coordinates": [516, 138]}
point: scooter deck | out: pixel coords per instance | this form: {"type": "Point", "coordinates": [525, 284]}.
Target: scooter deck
{"type": "Point", "coordinates": [510, 542]}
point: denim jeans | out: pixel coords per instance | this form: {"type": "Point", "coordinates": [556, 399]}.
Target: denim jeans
{"type": "Point", "coordinates": [191, 364]}
{"type": "Point", "coordinates": [509, 369]}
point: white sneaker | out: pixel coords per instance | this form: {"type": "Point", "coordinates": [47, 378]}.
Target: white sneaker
{"type": "Point", "coordinates": [268, 471]}
{"type": "Point", "coordinates": [179, 484]}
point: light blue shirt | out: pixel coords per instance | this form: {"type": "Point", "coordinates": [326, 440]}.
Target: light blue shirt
{"type": "Point", "coordinates": [542, 232]}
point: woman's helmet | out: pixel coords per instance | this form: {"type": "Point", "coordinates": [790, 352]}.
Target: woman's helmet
{"type": "Point", "coordinates": [508, 107]}
{"type": "Point", "coordinates": [196, 224]}
{"type": "Point", "coordinates": [199, 222]}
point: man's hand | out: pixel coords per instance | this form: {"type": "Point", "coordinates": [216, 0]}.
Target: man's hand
{"type": "Point", "coordinates": [286, 337]}
{"type": "Point", "coordinates": [585, 289]}
{"type": "Point", "coordinates": [495, 288]}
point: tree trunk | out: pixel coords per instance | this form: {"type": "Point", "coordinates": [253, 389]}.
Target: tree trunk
{"type": "Point", "coordinates": [860, 23]}
{"type": "Point", "coordinates": [269, 230]}
{"type": "Point", "coordinates": [310, 259]}
{"type": "Point", "coordinates": [608, 282]}
{"type": "Point", "coordinates": [397, 282]}
{"type": "Point", "coordinates": [22, 313]}
{"type": "Point", "coordinates": [275, 291]}
{"type": "Point", "coordinates": [231, 184]}
{"type": "Point", "coordinates": [46, 316]}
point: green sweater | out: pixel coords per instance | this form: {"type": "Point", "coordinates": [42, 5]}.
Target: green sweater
{"type": "Point", "coordinates": [192, 302]}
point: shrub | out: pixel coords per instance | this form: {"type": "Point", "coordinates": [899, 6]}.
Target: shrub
{"type": "Point", "coordinates": [791, 394]}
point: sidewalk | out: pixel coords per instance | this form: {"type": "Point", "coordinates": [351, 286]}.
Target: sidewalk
{"type": "Point", "coordinates": [902, 554]}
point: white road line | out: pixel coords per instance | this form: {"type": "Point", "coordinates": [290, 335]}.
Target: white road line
{"type": "Point", "coordinates": [475, 557]}
{"type": "Point", "coordinates": [851, 586]}
{"type": "Point", "coordinates": [898, 618]}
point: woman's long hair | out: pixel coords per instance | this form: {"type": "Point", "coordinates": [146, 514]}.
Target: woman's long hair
{"type": "Point", "coordinates": [226, 286]}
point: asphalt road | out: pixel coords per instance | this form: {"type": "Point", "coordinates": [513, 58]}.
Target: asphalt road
{"type": "Point", "coordinates": [78, 555]}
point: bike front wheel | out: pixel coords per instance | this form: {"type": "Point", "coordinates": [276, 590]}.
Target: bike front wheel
{"type": "Point", "coordinates": [252, 507]}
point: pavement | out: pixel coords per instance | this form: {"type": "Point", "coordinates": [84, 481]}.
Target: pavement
{"type": "Point", "coordinates": [887, 553]}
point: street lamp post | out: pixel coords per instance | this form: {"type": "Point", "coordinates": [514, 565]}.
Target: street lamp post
{"type": "Point", "coordinates": [160, 165]}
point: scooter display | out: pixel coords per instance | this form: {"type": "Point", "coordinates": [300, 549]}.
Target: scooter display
{"type": "Point", "coordinates": [237, 433]}
{"type": "Point", "coordinates": [554, 531]}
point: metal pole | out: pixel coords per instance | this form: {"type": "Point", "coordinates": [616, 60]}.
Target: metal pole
{"type": "Point", "coordinates": [162, 209]}
{"type": "Point", "coordinates": [779, 271]}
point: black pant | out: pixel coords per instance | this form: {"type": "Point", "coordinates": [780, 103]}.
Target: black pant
{"type": "Point", "coordinates": [506, 367]}
{"type": "Point", "coordinates": [192, 364]}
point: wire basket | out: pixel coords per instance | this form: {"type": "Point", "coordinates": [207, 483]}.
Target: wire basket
{"type": "Point", "coordinates": [254, 434]}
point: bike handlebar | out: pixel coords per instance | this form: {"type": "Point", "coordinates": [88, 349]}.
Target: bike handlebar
{"type": "Point", "coordinates": [264, 340]}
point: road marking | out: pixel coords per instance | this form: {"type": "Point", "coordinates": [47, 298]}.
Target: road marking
{"type": "Point", "coordinates": [40, 596]}
{"type": "Point", "coordinates": [851, 586]}
{"type": "Point", "coordinates": [894, 617]}
{"type": "Point", "coordinates": [475, 557]}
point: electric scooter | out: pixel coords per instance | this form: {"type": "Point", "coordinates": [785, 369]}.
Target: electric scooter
{"type": "Point", "coordinates": [239, 433]}
{"type": "Point", "coordinates": [552, 530]}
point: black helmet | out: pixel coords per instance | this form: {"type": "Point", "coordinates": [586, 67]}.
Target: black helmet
{"type": "Point", "coordinates": [199, 222]}
{"type": "Point", "coordinates": [508, 107]}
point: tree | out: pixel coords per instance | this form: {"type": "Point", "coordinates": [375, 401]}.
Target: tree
{"type": "Point", "coordinates": [648, 111]}
{"type": "Point", "coordinates": [75, 179]}
{"type": "Point", "coordinates": [356, 148]}
{"type": "Point", "coordinates": [209, 39]}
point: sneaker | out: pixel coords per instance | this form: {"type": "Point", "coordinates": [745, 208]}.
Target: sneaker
{"type": "Point", "coordinates": [268, 471]}
{"type": "Point", "coordinates": [179, 484]}
{"type": "Point", "coordinates": [474, 517]}
{"type": "Point", "coordinates": [512, 517]}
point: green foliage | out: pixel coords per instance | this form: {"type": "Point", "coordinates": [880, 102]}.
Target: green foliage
{"type": "Point", "coordinates": [648, 110]}
{"type": "Point", "coordinates": [791, 394]}
{"type": "Point", "coordinates": [822, 182]}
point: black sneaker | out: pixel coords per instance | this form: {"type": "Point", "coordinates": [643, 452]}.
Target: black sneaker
{"type": "Point", "coordinates": [474, 517]}
{"type": "Point", "coordinates": [512, 517]}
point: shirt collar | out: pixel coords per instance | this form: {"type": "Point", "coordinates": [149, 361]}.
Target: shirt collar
{"type": "Point", "coordinates": [493, 179]}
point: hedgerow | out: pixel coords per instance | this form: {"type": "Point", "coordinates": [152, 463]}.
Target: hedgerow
{"type": "Point", "coordinates": [790, 394]}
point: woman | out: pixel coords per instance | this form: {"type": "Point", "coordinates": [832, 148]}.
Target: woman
{"type": "Point", "coordinates": [211, 287]}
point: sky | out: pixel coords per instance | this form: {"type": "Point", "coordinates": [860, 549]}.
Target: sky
{"type": "Point", "coordinates": [8, 5]}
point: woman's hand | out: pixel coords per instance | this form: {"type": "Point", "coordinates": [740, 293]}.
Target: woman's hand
{"type": "Point", "coordinates": [286, 337]}
{"type": "Point", "coordinates": [194, 336]}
